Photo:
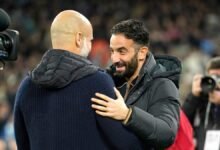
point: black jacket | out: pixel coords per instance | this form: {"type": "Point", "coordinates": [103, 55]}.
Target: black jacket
{"type": "Point", "coordinates": [155, 101]}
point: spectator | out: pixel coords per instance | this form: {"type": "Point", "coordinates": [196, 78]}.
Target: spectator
{"type": "Point", "coordinates": [202, 105]}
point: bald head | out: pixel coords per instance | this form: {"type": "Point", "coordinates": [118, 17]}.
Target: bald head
{"type": "Point", "coordinates": [69, 31]}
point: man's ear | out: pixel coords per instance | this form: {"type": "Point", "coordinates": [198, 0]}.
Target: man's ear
{"type": "Point", "coordinates": [78, 39]}
{"type": "Point", "coordinates": [142, 53]}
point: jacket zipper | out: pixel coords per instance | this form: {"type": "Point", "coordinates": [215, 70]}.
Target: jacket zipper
{"type": "Point", "coordinates": [128, 87]}
{"type": "Point", "coordinates": [127, 91]}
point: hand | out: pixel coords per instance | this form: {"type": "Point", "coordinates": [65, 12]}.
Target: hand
{"type": "Point", "coordinates": [108, 107]}
{"type": "Point", "coordinates": [196, 85]}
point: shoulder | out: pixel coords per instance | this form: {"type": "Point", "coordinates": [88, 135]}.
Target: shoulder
{"type": "Point", "coordinates": [158, 82]}
{"type": "Point", "coordinates": [101, 76]}
{"type": "Point", "coordinates": [23, 88]}
{"type": "Point", "coordinates": [25, 83]}
{"type": "Point", "coordinates": [26, 87]}
{"type": "Point", "coordinates": [164, 87]}
{"type": "Point", "coordinates": [101, 82]}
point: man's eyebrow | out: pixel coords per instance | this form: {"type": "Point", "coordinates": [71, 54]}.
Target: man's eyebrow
{"type": "Point", "coordinates": [119, 49]}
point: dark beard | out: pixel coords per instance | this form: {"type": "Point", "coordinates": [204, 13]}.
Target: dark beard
{"type": "Point", "coordinates": [130, 68]}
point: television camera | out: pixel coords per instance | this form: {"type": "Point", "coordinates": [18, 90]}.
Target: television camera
{"type": "Point", "coordinates": [8, 40]}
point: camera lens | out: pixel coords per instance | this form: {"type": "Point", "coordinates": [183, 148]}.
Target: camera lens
{"type": "Point", "coordinates": [5, 46]}
{"type": "Point", "coordinates": [208, 84]}
{"type": "Point", "coordinates": [5, 42]}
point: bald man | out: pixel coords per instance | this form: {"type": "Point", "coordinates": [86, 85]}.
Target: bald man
{"type": "Point", "coordinates": [53, 108]}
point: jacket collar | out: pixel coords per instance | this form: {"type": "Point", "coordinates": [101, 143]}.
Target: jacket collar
{"type": "Point", "coordinates": [155, 67]}
{"type": "Point", "coordinates": [149, 65]}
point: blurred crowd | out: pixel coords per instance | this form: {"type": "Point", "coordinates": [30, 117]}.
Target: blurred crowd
{"type": "Point", "coordinates": [188, 29]}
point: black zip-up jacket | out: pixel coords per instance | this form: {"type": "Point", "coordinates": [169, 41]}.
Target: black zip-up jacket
{"type": "Point", "coordinates": [154, 100]}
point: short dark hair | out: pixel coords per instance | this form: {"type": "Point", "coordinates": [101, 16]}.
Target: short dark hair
{"type": "Point", "coordinates": [132, 29]}
{"type": "Point", "coordinates": [214, 63]}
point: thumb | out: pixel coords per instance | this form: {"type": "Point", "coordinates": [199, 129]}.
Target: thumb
{"type": "Point", "coordinates": [118, 94]}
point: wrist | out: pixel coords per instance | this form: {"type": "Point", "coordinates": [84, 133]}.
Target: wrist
{"type": "Point", "coordinates": [127, 116]}
{"type": "Point", "coordinates": [126, 111]}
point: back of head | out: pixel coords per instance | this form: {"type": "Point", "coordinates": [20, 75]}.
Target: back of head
{"type": "Point", "coordinates": [68, 30]}
{"type": "Point", "coordinates": [132, 29]}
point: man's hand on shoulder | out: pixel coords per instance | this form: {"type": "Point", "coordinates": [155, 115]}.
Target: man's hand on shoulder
{"type": "Point", "coordinates": [112, 108]}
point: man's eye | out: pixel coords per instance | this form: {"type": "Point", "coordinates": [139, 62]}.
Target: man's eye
{"type": "Point", "coordinates": [122, 52]}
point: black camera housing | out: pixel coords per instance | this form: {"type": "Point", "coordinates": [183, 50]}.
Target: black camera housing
{"type": "Point", "coordinates": [8, 45]}
{"type": "Point", "coordinates": [209, 83]}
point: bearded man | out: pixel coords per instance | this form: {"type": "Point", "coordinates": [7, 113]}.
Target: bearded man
{"type": "Point", "coordinates": [149, 101]}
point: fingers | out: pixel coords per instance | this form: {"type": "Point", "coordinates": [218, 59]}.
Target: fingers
{"type": "Point", "coordinates": [105, 114]}
{"type": "Point", "coordinates": [197, 80]}
{"type": "Point", "coordinates": [100, 105]}
{"type": "Point", "coordinates": [102, 96]}
{"type": "Point", "coordinates": [99, 108]}
{"type": "Point", "coordinates": [196, 85]}
{"type": "Point", "coordinates": [100, 102]}
{"type": "Point", "coordinates": [197, 77]}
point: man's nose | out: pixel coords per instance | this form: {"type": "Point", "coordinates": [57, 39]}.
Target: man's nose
{"type": "Point", "coordinates": [115, 57]}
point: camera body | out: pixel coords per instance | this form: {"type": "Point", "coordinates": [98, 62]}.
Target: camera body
{"type": "Point", "coordinates": [8, 45]}
{"type": "Point", "coordinates": [209, 83]}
